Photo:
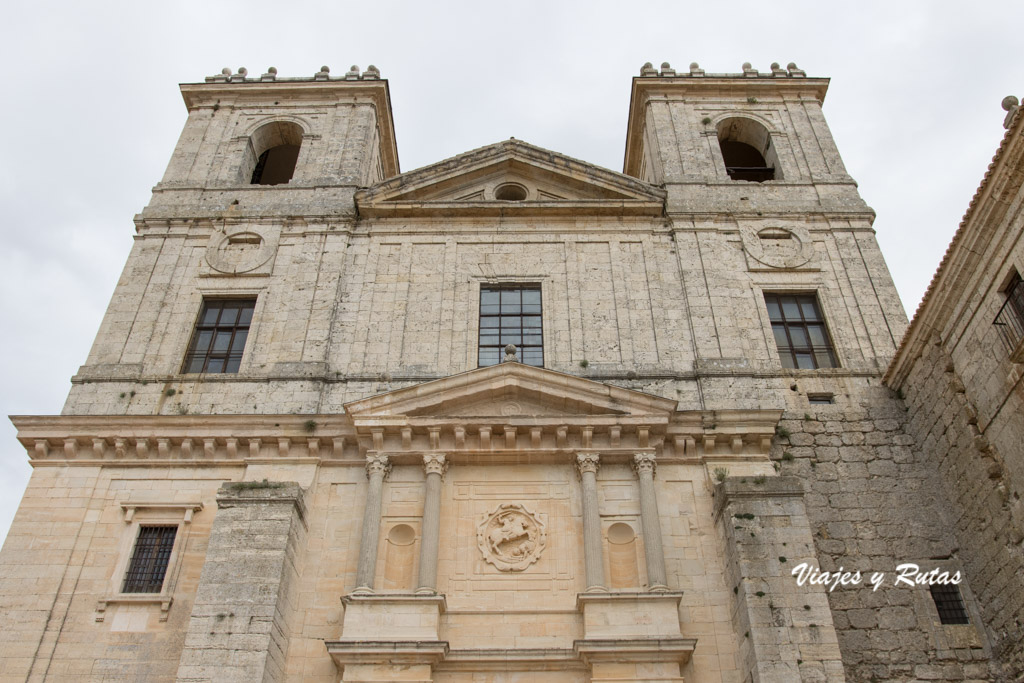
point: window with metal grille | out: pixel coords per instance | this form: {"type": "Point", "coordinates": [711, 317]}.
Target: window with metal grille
{"type": "Point", "coordinates": [219, 338]}
{"type": "Point", "coordinates": [949, 604]}
{"type": "Point", "coordinates": [800, 332]}
{"type": "Point", "coordinates": [510, 315]}
{"type": "Point", "coordinates": [149, 559]}
{"type": "Point", "coordinates": [1010, 319]}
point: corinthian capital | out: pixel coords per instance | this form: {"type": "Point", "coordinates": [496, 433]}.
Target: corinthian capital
{"type": "Point", "coordinates": [588, 462]}
{"type": "Point", "coordinates": [377, 464]}
{"type": "Point", "coordinates": [644, 462]}
{"type": "Point", "coordinates": [435, 463]}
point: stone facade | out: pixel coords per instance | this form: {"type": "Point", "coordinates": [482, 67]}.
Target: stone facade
{"type": "Point", "coordinates": [361, 502]}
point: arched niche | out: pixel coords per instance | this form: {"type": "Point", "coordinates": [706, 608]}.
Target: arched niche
{"type": "Point", "coordinates": [272, 153]}
{"type": "Point", "coordinates": [747, 150]}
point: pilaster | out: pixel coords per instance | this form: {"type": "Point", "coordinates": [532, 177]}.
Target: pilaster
{"type": "Point", "coordinates": [788, 629]}
{"type": "Point", "coordinates": [239, 628]}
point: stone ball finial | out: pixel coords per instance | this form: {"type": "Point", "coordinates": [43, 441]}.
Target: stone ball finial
{"type": "Point", "coordinates": [775, 65]}
{"type": "Point", "coordinates": [272, 70]}
{"type": "Point", "coordinates": [353, 68]}
{"type": "Point", "coordinates": [226, 71]}
{"type": "Point", "coordinates": [242, 71]}
{"type": "Point", "coordinates": [666, 65]}
{"type": "Point", "coordinates": [746, 66]}
{"type": "Point", "coordinates": [373, 69]}
{"type": "Point", "coordinates": [1010, 102]}
{"type": "Point", "coordinates": [694, 65]}
{"type": "Point", "coordinates": [325, 69]}
{"type": "Point", "coordinates": [647, 65]}
{"type": "Point", "coordinates": [510, 353]}
{"type": "Point", "coordinates": [791, 66]}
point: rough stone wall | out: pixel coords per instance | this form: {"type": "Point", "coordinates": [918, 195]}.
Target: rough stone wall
{"type": "Point", "coordinates": [984, 506]}
{"type": "Point", "coordinates": [874, 501]}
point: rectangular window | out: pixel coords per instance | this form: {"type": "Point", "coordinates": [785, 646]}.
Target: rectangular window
{"type": "Point", "coordinates": [1010, 320]}
{"type": "Point", "coordinates": [220, 334]}
{"type": "Point", "coordinates": [821, 399]}
{"type": "Point", "coordinates": [949, 604]}
{"type": "Point", "coordinates": [800, 332]}
{"type": "Point", "coordinates": [510, 315]}
{"type": "Point", "coordinates": [149, 559]}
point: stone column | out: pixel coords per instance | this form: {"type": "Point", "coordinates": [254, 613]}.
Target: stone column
{"type": "Point", "coordinates": [434, 465]}
{"type": "Point", "coordinates": [377, 468]}
{"type": "Point", "coordinates": [588, 464]}
{"type": "Point", "coordinates": [650, 520]}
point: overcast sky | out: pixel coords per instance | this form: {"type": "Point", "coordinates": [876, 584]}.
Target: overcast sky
{"type": "Point", "coordinates": [92, 113]}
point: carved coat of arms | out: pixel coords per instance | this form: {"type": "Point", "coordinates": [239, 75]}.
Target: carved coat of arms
{"type": "Point", "coordinates": [511, 537]}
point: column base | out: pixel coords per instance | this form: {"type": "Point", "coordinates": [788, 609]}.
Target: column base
{"type": "Point", "coordinates": [387, 660]}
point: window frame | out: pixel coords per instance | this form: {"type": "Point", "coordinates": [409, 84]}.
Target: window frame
{"type": "Point", "coordinates": [1009, 321]}
{"type": "Point", "coordinates": [802, 297]}
{"type": "Point", "coordinates": [146, 560]}
{"type": "Point", "coordinates": [949, 594]}
{"type": "Point", "coordinates": [511, 330]}
{"type": "Point", "coordinates": [198, 328]}
{"type": "Point", "coordinates": [136, 516]}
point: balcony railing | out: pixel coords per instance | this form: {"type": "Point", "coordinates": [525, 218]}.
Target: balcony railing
{"type": "Point", "coordinates": [1010, 321]}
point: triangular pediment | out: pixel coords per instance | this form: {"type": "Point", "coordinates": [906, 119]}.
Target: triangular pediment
{"type": "Point", "coordinates": [510, 178]}
{"type": "Point", "coordinates": [511, 390]}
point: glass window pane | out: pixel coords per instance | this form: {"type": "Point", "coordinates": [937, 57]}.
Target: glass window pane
{"type": "Point", "coordinates": [531, 296]}
{"type": "Point", "coordinates": [510, 297]}
{"type": "Point", "coordinates": [531, 321]}
{"type": "Point", "coordinates": [195, 364]}
{"type": "Point", "coordinates": [215, 365]}
{"type": "Point", "coordinates": [790, 309]}
{"type": "Point", "coordinates": [533, 357]}
{"type": "Point", "coordinates": [804, 361]}
{"type": "Point", "coordinates": [489, 297]}
{"type": "Point", "coordinates": [534, 339]}
{"type": "Point", "coordinates": [489, 322]}
{"type": "Point", "coordinates": [221, 342]}
{"type": "Point", "coordinates": [510, 301]}
{"type": "Point", "coordinates": [238, 344]}
{"type": "Point", "coordinates": [824, 359]}
{"type": "Point", "coordinates": [210, 315]}
{"type": "Point", "coordinates": [817, 333]}
{"type": "Point", "coordinates": [490, 309]}
{"type": "Point", "coordinates": [232, 364]}
{"type": "Point", "coordinates": [809, 307]}
{"type": "Point", "coordinates": [228, 316]}
{"type": "Point", "coordinates": [511, 322]}
{"type": "Point", "coordinates": [799, 337]}
{"type": "Point", "coordinates": [787, 359]}
{"type": "Point", "coordinates": [774, 312]}
{"type": "Point", "coordinates": [203, 341]}
{"type": "Point", "coordinates": [511, 338]}
{"type": "Point", "coordinates": [246, 317]}
{"type": "Point", "coordinates": [488, 357]}
{"type": "Point", "coordinates": [488, 339]}
{"type": "Point", "coordinates": [781, 340]}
